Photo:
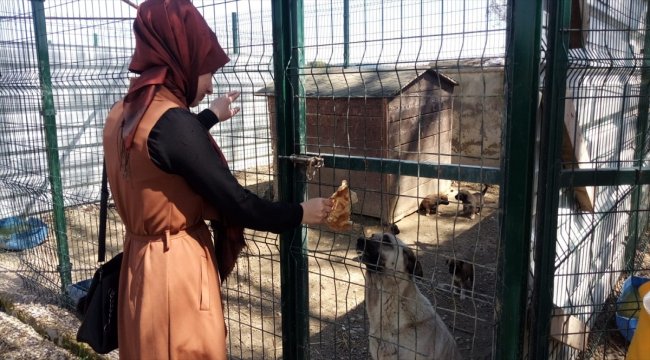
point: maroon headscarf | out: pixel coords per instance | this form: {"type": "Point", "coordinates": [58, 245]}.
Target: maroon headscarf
{"type": "Point", "coordinates": [173, 47]}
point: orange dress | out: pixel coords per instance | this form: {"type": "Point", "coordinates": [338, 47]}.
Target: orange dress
{"type": "Point", "coordinates": [169, 298]}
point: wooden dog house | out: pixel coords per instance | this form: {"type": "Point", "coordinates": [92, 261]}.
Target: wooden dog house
{"type": "Point", "coordinates": [391, 114]}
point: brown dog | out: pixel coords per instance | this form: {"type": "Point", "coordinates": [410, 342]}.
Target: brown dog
{"type": "Point", "coordinates": [429, 205]}
{"type": "Point", "coordinates": [403, 324]}
{"type": "Point", "coordinates": [472, 202]}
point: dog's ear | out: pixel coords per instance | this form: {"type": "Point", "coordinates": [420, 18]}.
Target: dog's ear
{"type": "Point", "coordinates": [417, 271]}
{"type": "Point", "coordinates": [413, 266]}
{"type": "Point", "coordinates": [386, 239]}
{"type": "Point", "coordinates": [394, 229]}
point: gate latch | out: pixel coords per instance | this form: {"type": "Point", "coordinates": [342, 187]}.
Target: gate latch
{"type": "Point", "coordinates": [313, 163]}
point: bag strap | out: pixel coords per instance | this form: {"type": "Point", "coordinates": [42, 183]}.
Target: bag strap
{"type": "Point", "coordinates": [103, 214]}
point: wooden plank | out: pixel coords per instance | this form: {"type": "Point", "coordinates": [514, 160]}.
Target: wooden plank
{"type": "Point", "coordinates": [409, 105]}
{"type": "Point", "coordinates": [569, 330]}
{"type": "Point", "coordinates": [344, 106]}
{"type": "Point", "coordinates": [579, 24]}
{"type": "Point", "coordinates": [574, 150]}
{"type": "Point", "coordinates": [424, 125]}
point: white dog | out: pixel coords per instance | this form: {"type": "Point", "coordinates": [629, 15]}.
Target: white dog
{"type": "Point", "coordinates": [403, 324]}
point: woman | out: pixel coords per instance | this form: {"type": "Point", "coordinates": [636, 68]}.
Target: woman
{"type": "Point", "coordinates": [167, 176]}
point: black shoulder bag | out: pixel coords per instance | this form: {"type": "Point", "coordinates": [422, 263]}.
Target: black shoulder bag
{"type": "Point", "coordinates": [99, 307]}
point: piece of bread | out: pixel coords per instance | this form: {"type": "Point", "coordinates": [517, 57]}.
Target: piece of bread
{"type": "Point", "coordinates": [339, 217]}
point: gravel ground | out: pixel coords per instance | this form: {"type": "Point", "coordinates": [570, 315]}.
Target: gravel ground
{"type": "Point", "coordinates": [20, 341]}
{"type": "Point", "coordinates": [31, 328]}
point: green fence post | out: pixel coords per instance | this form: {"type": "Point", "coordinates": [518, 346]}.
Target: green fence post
{"type": "Point", "coordinates": [522, 84]}
{"type": "Point", "coordinates": [235, 33]}
{"type": "Point", "coordinates": [52, 148]}
{"type": "Point", "coordinates": [346, 33]}
{"type": "Point", "coordinates": [287, 58]}
{"type": "Point", "coordinates": [551, 133]}
{"type": "Point", "coordinates": [640, 150]}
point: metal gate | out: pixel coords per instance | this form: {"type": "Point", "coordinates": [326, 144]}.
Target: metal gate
{"type": "Point", "coordinates": [592, 196]}
{"type": "Point", "coordinates": [545, 102]}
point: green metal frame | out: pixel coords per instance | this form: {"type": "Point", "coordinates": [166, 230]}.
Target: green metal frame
{"type": "Point", "coordinates": [515, 174]}
{"type": "Point", "coordinates": [52, 147]}
{"type": "Point", "coordinates": [287, 59]}
{"type": "Point", "coordinates": [640, 151]}
{"type": "Point", "coordinates": [553, 177]}
{"type": "Point", "coordinates": [346, 33]}
{"type": "Point", "coordinates": [486, 175]}
{"type": "Point", "coordinates": [516, 338]}
{"type": "Point", "coordinates": [522, 83]}
{"type": "Point", "coordinates": [551, 134]}
{"type": "Point", "coordinates": [235, 33]}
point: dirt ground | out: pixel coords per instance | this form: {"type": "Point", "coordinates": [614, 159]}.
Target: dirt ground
{"type": "Point", "coordinates": [337, 319]}
{"type": "Point", "coordinates": [338, 322]}
{"type": "Point", "coordinates": [338, 325]}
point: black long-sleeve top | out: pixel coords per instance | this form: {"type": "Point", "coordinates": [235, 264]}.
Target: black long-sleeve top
{"type": "Point", "coordinates": [179, 144]}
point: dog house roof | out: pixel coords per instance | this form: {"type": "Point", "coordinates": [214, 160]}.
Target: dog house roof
{"type": "Point", "coordinates": [359, 82]}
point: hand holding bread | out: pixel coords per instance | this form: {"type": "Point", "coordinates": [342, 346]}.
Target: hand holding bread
{"type": "Point", "coordinates": [342, 199]}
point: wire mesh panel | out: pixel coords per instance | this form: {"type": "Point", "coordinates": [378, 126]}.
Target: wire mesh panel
{"type": "Point", "coordinates": [596, 65]}
{"type": "Point", "coordinates": [406, 102]}
{"type": "Point", "coordinates": [24, 165]}
{"type": "Point", "coordinates": [417, 83]}
{"type": "Point", "coordinates": [252, 294]}
{"type": "Point", "coordinates": [89, 45]}
{"type": "Point", "coordinates": [64, 61]}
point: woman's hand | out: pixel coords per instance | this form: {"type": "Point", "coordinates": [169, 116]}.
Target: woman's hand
{"type": "Point", "coordinates": [221, 106]}
{"type": "Point", "coordinates": [316, 210]}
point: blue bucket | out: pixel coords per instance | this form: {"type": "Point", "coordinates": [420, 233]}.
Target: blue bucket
{"type": "Point", "coordinates": [628, 305]}
{"type": "Point", "coordinates": [78, 290]}
{"type": "Point", "coordinates": [19, 233]}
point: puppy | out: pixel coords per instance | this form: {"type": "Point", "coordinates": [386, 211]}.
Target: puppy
{"type": "Point", "coordinates": [429, 205]}
{"type": "Point", "coordinates": [403, 324]}
{"type": "Point", "coordinates": [472, 203]}
{"type": "Point", "coordinates": [463, 273]}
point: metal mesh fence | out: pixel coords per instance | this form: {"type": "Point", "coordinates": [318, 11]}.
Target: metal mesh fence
{"type": "Point", "coordinates": [409, 81]}
{"type": "Point", "coordinates": [86, 48]}
{"type": "Point", "coordinates": [602, 126]}
{"type": "Point", "coordinates": [406, 100]}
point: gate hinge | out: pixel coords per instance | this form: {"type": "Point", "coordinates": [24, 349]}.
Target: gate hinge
{"type": "Point", "coordinates": [313, 163]}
